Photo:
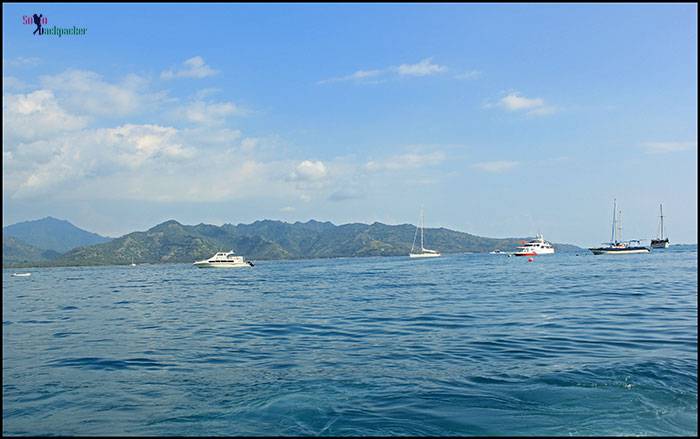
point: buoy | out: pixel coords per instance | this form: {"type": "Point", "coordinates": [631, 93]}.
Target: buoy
{"type": "Point", "coordinates": [530, 259]}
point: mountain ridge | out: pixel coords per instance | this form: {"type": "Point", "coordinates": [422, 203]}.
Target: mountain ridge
{"type": "Point", "coordinates": [51, 233]}
{"type": "Point", "coordinates": [172, 241]}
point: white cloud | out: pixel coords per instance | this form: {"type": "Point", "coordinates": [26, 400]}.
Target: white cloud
{"type": "Point", "coordinates": [405, 161]}
{"type": "Point", "coordinates": [194, 67]}
{"type": "Point", "coordinates": [211, 138]}
{"type": "Point", "coordinates": [86, 92]}
{"type": "Point", "coordinates": [423, 68]}
{"type": "Point", "coordinates": [36, 115]}
{"type": "Point", "coordinates": [515, 102]}
{"type": "Point", "coordinates": [41, 166]}
{"type": "Point", "coordinates": [309, 170]}
{"type": "Point", "coordinates": [208, 113]}
{"type": "Point", "coordinates": [668, 147]}
{"type": "Point", "coordinates": [495, 166]}
{"type": "Point", "coordinates": [58, 144]}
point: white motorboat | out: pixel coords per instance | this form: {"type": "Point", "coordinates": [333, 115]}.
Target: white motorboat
{"type": "Point", "coordinates": [223, 260]}
{"type": "Point", "coordinates": [535, 247]}
{"type": "Point", "coordinates": [424, 252]}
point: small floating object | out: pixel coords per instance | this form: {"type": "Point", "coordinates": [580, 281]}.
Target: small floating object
{"type": "Point", "coordinates": [530, 259]}
{"type": "Point", "coordinates": [21, 274]}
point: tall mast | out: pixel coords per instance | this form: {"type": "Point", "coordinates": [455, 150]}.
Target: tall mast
{"type": "Point", "coordinates": [661, 209]}
{"type": "Point", "coordinates": [619, 224]}
{"type": "Point", "coordinates": [422, 224]}
{"type": "Point", "coordinates": [612, 236]}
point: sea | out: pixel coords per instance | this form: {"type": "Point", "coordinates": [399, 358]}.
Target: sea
{"type": "Point", "coordinates": [466, 344]}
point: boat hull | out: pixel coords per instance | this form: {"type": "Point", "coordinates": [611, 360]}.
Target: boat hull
{"type": "Point", "coordinates": [424, 255]}
{"type": "Point", "coordinates": [207, 264]}
{"type": "Point", "coordinates": [659, 243]}
{"type": "Point", "coordinates": [535, 253]}
{"type": "Point", "coordinates": [618, 251]}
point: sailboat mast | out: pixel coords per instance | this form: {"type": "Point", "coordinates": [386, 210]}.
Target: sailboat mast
{"type": "Point", "coordinates": [661, 209]}
{"type": "Point", "coordinates": [612, 236]}
{"type": "Point", "coordinates": [619, 225]}
{"type": "Point", "coordinates": [422, 224]}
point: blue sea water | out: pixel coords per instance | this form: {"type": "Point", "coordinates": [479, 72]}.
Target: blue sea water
{"type": "Point", "coordinates": [470, 344]}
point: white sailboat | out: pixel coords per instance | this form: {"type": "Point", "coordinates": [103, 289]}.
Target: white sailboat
{"type": "Point", "coordinates": [424, 252]}
{"type": "Point", "coordinates": [616, 246]}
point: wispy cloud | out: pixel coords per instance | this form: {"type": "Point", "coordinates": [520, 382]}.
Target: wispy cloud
{"type": "Point", "coordinates": [12, 83]}
{"type": "Point", "coordinates": [516, 102]}
{"type": "Point", "coordinates": [405, 161]}
{"type": "Point", "coordinates": [192, 68]}
{"type": "Point", "coordinates": [88, 93]}
{"type": "Point", "coordinates": [425, 67]}
{"type": "Point", "coordinates": [346, 193]}
{"type": "Point", "coordinates": [469, 75]}
{"type": "Point", "coordinates": [24, 61]}
{"type": "Point", "coordinates": [208, 113]}
{"type": "Point", "coordinates": [360, 75]}
{"type": "Point", "coordinates": [668, 147]}
{"type": "Point", "coordinates": [496, 166]}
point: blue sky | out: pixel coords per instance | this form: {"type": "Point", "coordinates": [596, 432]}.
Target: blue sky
{"type": "Point", "coordinates": [502, 120]}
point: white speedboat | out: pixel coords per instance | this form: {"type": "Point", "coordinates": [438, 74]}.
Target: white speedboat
{"type": "Point", "coordinates": [223, 260]}
{"type": "Point", "coordinates": [424, 252]}
{"type": "Point", "coordinates": [535, 247]}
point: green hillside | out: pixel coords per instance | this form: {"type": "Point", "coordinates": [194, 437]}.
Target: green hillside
{"type": "Point", "coordinates": [175, 242]}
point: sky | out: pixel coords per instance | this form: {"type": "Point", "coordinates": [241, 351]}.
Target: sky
{"type": "Point", "coordinates": [501, 120]}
